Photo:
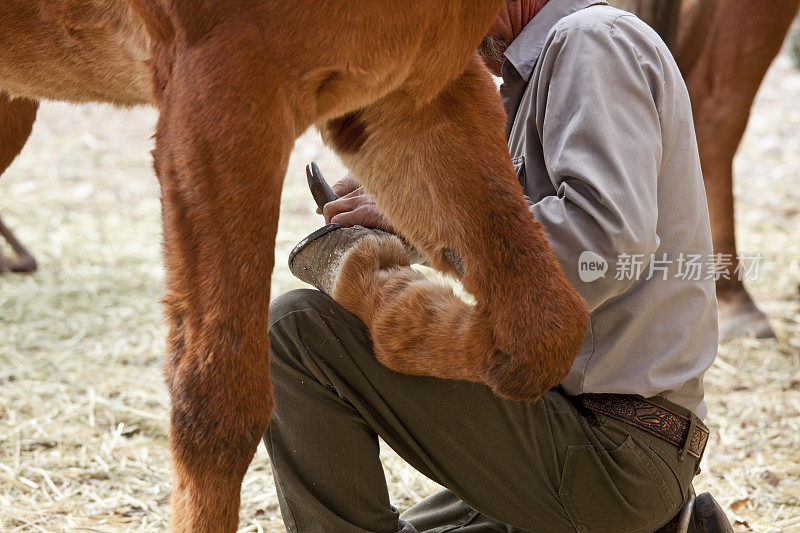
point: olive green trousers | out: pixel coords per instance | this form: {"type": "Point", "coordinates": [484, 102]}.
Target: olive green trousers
{"type": "Point", "coordinates": [507, 466]}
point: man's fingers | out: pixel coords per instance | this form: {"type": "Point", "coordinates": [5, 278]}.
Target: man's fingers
{"type": "Point", "coordinates": [363, 215]}
{"type": "Point", "coordinates": [366, 215]}
{"type": "Point", "coordinates": [341, 205]}
{"type": "Point", "coordinates": [356, 208]}
{"type": "Point", "coordinates": [348, 218]}
{"type": "Point", "coordinates": [346, 187]}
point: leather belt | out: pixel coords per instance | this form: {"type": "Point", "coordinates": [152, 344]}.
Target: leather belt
{"type": "Point", "coordinates": [687, 433]}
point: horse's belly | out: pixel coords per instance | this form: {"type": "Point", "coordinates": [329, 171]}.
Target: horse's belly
{"type": "Point", "coordinates": [73, 51]}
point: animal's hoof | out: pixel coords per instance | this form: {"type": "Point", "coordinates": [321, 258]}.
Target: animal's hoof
{"type": "Point", "coordinates": [25, 264]}
{"type": "Point", "coordinates": [740, 317]}
{"type": "Point", "coordinates": [317, 259]}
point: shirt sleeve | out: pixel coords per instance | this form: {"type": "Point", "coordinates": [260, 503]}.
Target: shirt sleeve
{"type": "Point", "coordinates": [597, 117]}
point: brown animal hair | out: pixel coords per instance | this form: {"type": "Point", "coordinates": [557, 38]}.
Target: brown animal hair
{"type": "Point", "coordinates": [412, 110]}
{"type": "Point", "coordinates": [16, 121]}
{"type": "Point", "coordinates": [526, 327]}
{"type": "Point", "coordinates": [723, 50]}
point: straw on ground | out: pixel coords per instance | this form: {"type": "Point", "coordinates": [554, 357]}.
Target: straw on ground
{"type": "Point", "coordinates": [83, 407]}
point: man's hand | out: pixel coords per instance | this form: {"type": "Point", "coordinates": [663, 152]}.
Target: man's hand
{"type": "Point", "coordinates": [354, 207]}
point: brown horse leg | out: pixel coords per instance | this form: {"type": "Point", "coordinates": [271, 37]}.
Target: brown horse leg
{"type": "Point", "coordinates": [222, 146]}
{"type": "Point", "coordinates": [723, 81]}
{"type": "Point", "coordinates": [440, 170]}
{"type": "Point", "coordinates": [16, 121]}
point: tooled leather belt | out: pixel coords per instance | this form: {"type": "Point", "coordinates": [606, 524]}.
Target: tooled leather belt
{"type": "Point", "coordinates": [675, 428]}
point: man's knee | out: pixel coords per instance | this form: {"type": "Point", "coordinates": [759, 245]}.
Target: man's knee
{"type": "Point", "coordinates": [306, 311]}
{"type": "Point", "coordinates": [292, 316]}
{"type": "Point", "coordinates": [305, 321]}
{"type": "Point", "coordinates": [302, 325]}
{"type": "Point", "coordinates": [296, 301]}
{"type": "Point", "coordinates": [312, 303]}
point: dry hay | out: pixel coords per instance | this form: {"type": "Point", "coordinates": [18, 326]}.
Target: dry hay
{"type": "Point", "coordinates": [82, 402]}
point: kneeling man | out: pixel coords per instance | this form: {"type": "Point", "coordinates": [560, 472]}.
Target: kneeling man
{"type": "Point", "coordinates": [600, 132]}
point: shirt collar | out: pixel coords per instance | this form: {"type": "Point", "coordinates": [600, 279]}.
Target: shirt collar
{"type": "Point", "coordinates": [524, 51]}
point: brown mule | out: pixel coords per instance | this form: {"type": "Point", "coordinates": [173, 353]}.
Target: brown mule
{"type": "Point", "coordinates": [401, 95]}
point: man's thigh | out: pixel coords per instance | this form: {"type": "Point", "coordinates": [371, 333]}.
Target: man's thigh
{"type": "Point", "coordinates": [505, 459]}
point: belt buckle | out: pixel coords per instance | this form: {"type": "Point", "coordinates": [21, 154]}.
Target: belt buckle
{"type": "Point", "coordinates": [696, 440]}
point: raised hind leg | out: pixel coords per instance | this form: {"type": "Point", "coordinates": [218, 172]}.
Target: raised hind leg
{"type": "Point", "coordinates": [440, 171]}
{"type": "Point", "coordinates": [222, 145]}
{"type": "Point", "coordinates": [16, 121]}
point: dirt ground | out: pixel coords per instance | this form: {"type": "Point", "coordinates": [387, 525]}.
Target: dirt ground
{"type": "Point", "coordinates": [83, 407]}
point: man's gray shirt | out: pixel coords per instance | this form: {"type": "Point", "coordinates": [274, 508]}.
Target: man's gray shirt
{"type": "Point", "coordinates": [600, 131]}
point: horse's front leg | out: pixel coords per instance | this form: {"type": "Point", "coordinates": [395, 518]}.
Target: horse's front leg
{"type": "Point", "coordinates": [222, 145]}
